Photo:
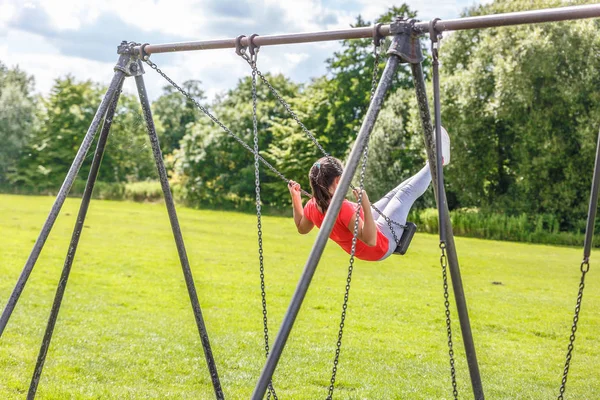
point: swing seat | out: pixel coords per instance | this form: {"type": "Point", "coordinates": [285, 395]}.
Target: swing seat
{"type": "Point", "coordinates": [406, 238]}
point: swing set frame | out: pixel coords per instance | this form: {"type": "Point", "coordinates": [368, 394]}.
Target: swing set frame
{"type": "Point", "coordinates": [405, 48]}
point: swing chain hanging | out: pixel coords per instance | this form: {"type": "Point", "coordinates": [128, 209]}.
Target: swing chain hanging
{"type": "Point", "coordinates": [284, 103]}
{"type": "Point", "coordinates": [253, 57]}
{"type": "Point", "coordinates": [444, 264]}
{"type": "Point", "coordinates": [350, 270]}
{"type": "Point", "coordinates": [355, 234]}
{"type": "Point", "coordinates": [435, 38]}
{"type": "Point", "coordinates": [377, 38]}
{"type": "Point", "coordinates": [585, 267]}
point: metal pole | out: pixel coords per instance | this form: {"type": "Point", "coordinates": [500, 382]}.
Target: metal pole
{"type": "Point", "coordinates": [585, 266]}
{"type": "Point", "coordinates": [485, 21]}
{"type": "Point", "coordinates": [459, 295]}
{"type": "Point", "coordinates": [62, 283]}
{"type": "Point", "coordinates": [593, 206]}
{"type": "Point", "coordinates": [60, 198]}
{"type": "Point", "coordinates": [437, 110]}
{"type": "Point", "coordinates": [515, 18]}
{"type": "Point", "coordinates": [185, 265]}
{"type": "Point", "coordinates": [330, 218]}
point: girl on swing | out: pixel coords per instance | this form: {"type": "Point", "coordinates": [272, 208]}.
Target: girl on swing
{"type": "Point", "coordinates": [375, 239]}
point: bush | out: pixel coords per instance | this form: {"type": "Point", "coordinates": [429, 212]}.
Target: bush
{"type": "Point", "coordinates": [143, 191]}
{"type": "Point", "coordinates": [543, 228]}
{"type": "Point", "coordinates": [134, 191]}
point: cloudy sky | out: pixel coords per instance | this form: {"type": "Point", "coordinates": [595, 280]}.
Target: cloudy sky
{"type": "Point", "coordinates": [52, 38]}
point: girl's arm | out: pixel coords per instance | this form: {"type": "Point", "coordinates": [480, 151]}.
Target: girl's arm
{"type": "Point", "coordinates": [303, 225]}
{"type": "Point", "coordinates": [367, 230]}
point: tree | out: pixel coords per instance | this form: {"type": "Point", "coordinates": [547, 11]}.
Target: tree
{"type": "Point", "coordinates": [17, 112]}
{"type": "Point", "coordinates": [64, 120]}
{"type": "Point", "coordinates": [524, 104]}
{"type": "Point", "coordinates": [175, 112]}
{"type": "Point", "coordinates": [214, 168]}
{"type": "Point", "coordinates": [396, 149]}
{"type": "Point", "coordinates": [128, 156]}
{"type": "Point", "coordinates": [349, 87]}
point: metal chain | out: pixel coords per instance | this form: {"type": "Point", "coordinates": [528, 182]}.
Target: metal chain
{"type": "Point", "coordinates": [259, 227]}
{"type": "Point", "coordinates": [375, 71]}
{"type": "Point", "coordinates": [350, 269]}
{"type": "Point", "coordinates": [435, 38]}
{"type": "Point", "coordinates": [288, 108]}
{"type": "Point", "coordinates": [312, 137]}
{"type": "Point", "coordinates": [444, 264]}
{"type": "Point", "coordinates": [585, 267]}
{"type": "Point", "coordinates": [219, 123]}
{"type": "Point", "coordinates": [354, 241]}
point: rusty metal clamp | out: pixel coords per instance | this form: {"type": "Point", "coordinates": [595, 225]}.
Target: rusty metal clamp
{"type": "Point", "coordinates": [434, 35]}
{"type": "Point", "coordinates": [240, 50]}
{"type": "Point", "coordinates": [253, 48]}
{"type": "Point", "coordinates": [377, 36]}
{"type": "Point", "coordinates": [143, 55]}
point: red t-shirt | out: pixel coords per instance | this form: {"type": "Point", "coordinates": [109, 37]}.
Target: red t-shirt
{"type": "Point", "coordinates": [342, 236]}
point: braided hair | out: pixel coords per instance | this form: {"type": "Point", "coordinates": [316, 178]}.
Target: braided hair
{"type": "Point", "coordinates": [321, 176]}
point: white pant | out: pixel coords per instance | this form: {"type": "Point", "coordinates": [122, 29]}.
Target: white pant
{"type": "Point", "coordinates": [397, 203]}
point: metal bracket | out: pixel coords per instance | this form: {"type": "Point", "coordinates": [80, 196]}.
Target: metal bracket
{"type": "Point", "coordinates": [406, 44]}
{"type": "Point", "coordinates": [377, 36]}
{"type": "Point", "coordinates": [129, 59]}
{"type": "Point", "coordinates": [253, 48]}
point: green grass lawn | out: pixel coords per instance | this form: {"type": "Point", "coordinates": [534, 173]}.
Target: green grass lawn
{"type": "Point", "coordinates": [126, 328]}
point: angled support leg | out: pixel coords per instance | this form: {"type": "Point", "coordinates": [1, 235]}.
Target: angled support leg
{"type": "Point", "coordinates": [459, 294]}
{"type": "Point", "coordinates": [185, 265]}
{"type": "Point", "coordinates": [60, 198]}
{"type": "Point", "coordinates": [62, 284]}
{"type": "Point", "coordinates": [336, 202]}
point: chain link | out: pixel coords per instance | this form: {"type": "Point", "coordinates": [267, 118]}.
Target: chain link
{"type": "Point", "coordinates": [271, 389]}
{"type": "Point", "coordinates": [585, 267]}
{"type": "Point", "coordinates": [375, 70]}
{"type": "Point", "coordinates": [444, 264]}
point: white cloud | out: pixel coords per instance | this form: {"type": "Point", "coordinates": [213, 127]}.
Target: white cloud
{"type": "Point", "coordinates": [7, 12]}
{"type": "Point", "coordinates": [47, 65]}
{"type": "Point", "coordinates": [295, 58]}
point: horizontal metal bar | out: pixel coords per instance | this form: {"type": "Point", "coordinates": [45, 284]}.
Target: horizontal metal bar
{"type": "Point", "coordinates": [306, 37]}
{"type": "Point", "coordinates": [515, 18]}
{"type": "Point", "coordinates": [484, 21]}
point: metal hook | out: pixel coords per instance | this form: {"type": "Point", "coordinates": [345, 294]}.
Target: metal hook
{"type": "Point", "coordinates": [435, 37]}
{"type": "Point", "coordinates": [239, 49]}
{"type": "Point", "coordinates": [253, 47]}
{"type": "Point", "coordinates": [143, 55]}
{"type": "Point", "coordinates": [377, 36]}
{"type": "Point", "coordinates": [433, 33]}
